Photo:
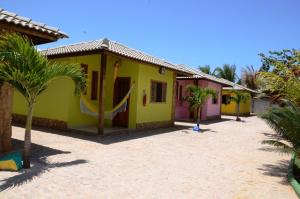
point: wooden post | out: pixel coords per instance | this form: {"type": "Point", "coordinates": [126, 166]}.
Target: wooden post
{"type": "Point", "coordinates": [174, 98]}
{"type": "Point", "coordinates": [101, 93]}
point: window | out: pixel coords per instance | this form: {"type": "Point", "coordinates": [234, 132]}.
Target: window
{"type": "Point", "coordinates": [158, 91]}
{"type": "Point", "coordinates": [177, 89]}
{"type": "Point", "coordinates": [225, 99]}
{"type": "Point", "coordinates": [84, 68]}
{"type": "Point", "coordinates": [180, 93]}
{"type": "Point", "coordinates": [94, 87]}
{"type": "Point", "coordinates": [215, 99]}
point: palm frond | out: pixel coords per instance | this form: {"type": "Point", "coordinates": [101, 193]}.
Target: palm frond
{"type": "Point", "coordinates": [198, 96]}
{"type": "Point", "coordinates": [206, 69]}
{"type": "Point", "coordinates": [285, 121]}
{"type": "Point", "coordinates": [24, 67]}
{"type": "Point", "coordinates": [227, 72]}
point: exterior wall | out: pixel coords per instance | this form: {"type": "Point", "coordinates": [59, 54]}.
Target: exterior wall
{"type": "Point", "coordinates": [128, 68]}
{"type": "Point", "coordinates": [58, 102]}
{"type": "Point", "coordinates": [154, 112]}
{"type": "Point", "coordinates": [230, 109]}
{"type": "Point", "coordinates": [262, 105]}
{"type": "Point", "coordinates": [182, 111]}
{"type": "Point", "coordinates": [52, 104]}
{"type": "Point", "coordinates": [213, 110]}
{"type": "Point", "coordinates": [208, 111]}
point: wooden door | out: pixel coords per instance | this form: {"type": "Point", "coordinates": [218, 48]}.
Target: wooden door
{"type": "Point", "coordinates": [121, 88]}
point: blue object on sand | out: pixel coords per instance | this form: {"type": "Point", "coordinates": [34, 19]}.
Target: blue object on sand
{"type": "Point", "coordinates": [11, 161]}
{"type": "Point", "coordinates": [196, 128]}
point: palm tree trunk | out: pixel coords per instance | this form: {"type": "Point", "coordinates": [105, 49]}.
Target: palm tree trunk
{"type": "Point", "coordinates": [27, 139]}
{"type": "Point", "coordinates": [198, 117]}
{"type": "Point", "coordinates": [238, 112]}
{"type": "Point", "coordinates": [6, 94]}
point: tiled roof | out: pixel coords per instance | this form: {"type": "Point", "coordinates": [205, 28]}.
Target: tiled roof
{"type": "Point", "coordinates": [114, 47]}
{"type": "Point", "coordinates": [201, 75]}
{"type": "Point", "coordinates": [229, 85]}
{"type": "Point", "coordinates": [241, 88]}
{"type": "Point", "coordinates": [234, 86]}
{"type": "Point", "coordinates": [13, 18]}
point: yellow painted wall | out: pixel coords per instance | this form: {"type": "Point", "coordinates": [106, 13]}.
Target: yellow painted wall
{"type": "Point", "coordinates": [58, 101]}
{"type": "Point", "coordinates": [230, 109]}
{"type": "Point", "coordinates": [52, 104]}
{"type": "Point", "coordinates": [128, 68]}
{"type": "Point", "coordinates": [154, 112]}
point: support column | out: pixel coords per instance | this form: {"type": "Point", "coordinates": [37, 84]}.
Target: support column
{"type": "Point", "coordinates": [174, 97]}
{"type": "Point", "coordinates": [6, 99]}
{"type": "Point", "coordinates": [101, 93]}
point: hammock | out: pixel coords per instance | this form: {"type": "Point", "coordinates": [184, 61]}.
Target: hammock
{"type": "Point", "coordinates": [88, 108]}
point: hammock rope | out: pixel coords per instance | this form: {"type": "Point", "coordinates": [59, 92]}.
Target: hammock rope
{"type": "Point", "coordinates": [90, 109]}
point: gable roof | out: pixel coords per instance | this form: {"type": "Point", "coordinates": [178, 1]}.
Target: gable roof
{"type": "Point", "coordinates": [113, 47]}
{"type": "Point", "coordinates": [24, 22]}
{"type": "Point", "coordinates": [228, 84]}
{"type": "Point", "coordinates": [234, 86]}
{"type": "Point", "coordinates": [197, 74]}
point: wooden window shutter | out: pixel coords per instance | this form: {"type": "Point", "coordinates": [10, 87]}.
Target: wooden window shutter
{"type": "Point", "coordinates": [164, 92]}
{"type": "Point", "coordinates": [177, 85]}
{"type": "Point", "coordinates": [153, 91]}
{"type": "Point", "coordinates": [180, 92]}
{"type": "Point", "coordinates": [84, 68]}
{"type": "Point", "coordinates": [94, 87]}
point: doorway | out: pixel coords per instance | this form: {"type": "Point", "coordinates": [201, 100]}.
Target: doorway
{"type": "Point", "coordinates": [121, 88]}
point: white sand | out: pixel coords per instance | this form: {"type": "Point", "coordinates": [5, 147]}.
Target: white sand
{"type": "Point", "coordinates": [226, 161]}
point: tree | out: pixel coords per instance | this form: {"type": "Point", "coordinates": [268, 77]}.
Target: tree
{"type": "Point", "coordinates": [280, 79]}
{"type": "Point", "coordinates": [226, 72]}
{"type": "Point", "coordinates": [197, 98]}
{"type": "Point", "coordinates": [286, 123]}
{"type": "Point", "coordinates": [286, 57]}
{"type": "Point", "coordinates": [239, 97]}
{"type": "Point", "coordinates": [283, 79]}
{"type": "Point", "coordinates": [248, 77]}
{"type": "Point", "coordinates": [26, 69]}
{"type": "Point", "coordinates": [206, 69]}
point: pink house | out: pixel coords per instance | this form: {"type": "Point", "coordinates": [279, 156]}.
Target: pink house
{"type": "Point", "coordinates": [211, 109]}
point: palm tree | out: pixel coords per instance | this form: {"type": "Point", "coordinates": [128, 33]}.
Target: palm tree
{"type": "Point", "coordinates": [197, 97]}
{"type": "Point", "coordinates": [226, 72]}
{"type": "Point", "coordinates": [249, 79]}
{"type": "Point", "coordinates": [206, 69]}
{"type": "Point", "coordinates": [286, 123]}
{"type": "Point", "coordinates": [239, 97]}
{"type": "Point", "coordinates": [26, 69]}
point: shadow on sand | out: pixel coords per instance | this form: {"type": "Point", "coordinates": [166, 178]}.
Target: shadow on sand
{"type": "Point", "coordinates": [207, 122]}
{"type": "Point", "coordinates": [39, 165]}
{"type": "Point", "coordinates": [114, 137]}
{"type": "Point", "coordinates": [279, 170]}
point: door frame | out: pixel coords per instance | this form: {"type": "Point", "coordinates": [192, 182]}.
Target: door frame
{"type": "Point", "coordinates": [114, 122]}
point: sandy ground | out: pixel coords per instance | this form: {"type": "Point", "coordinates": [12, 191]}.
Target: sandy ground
{"type": "Point", "coordinates": [227, 160]}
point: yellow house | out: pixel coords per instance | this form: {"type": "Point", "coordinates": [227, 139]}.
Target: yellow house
{"type": "Point", "coordinates": [125, 89]}
{"type": "Point", "coordinates": [229, 107]}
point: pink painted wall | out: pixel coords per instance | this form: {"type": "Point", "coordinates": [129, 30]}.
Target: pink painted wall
{"type": "Point", "coordinates": [182, 111]}
{"type": "Point", "coordinates": [209, 109]}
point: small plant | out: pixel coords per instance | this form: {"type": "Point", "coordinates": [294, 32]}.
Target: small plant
{"type": "Point", "coordinates": [197, 98]}
{"type": "Point", "coordinates": [286, 123]}
{"type": "Point", "coordinates": [26, 69]}
{"type": "Point", "coordinates": [239, 97]}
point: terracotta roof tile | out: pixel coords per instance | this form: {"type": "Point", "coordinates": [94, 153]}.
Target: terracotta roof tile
{"type": "Point", "coordinates": [13, 18]}
{"type": "Point", "coordinates": [113, 47]}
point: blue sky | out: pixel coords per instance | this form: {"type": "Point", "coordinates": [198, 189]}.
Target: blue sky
{"type": "Point", "coordinates": [192, 32]}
